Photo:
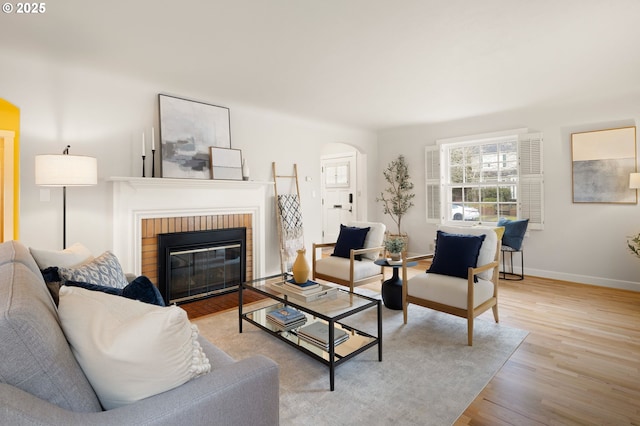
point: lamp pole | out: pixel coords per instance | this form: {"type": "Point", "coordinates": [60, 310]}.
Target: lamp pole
{"type": "Point", "coordinates": [64, 207]}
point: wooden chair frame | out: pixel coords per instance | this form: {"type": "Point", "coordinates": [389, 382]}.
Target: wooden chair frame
{"type": "Point", "coordinates": [470, 313]}
{"type": "Point", "coordinates": [351, 283]}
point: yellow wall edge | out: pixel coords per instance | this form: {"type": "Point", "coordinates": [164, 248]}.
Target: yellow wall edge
{"type": "Point", "coordinates": [10, 120]}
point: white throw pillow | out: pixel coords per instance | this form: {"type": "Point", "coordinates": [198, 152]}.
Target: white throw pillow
{"type": "Point", "coordinates": [70, 257]}
{"type": "Point", "coordinates": [129, 350]}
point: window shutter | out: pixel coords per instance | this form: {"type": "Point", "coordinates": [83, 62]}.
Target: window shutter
{"type": "Point", "coordinates": [432, 183]}
{"type": "Point", "coordinates": [531, 181]}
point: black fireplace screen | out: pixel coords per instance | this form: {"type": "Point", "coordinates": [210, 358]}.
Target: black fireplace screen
{"type": "Point", "coordinates": [200, 264]}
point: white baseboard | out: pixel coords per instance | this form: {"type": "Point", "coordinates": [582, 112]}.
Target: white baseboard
{"type": "Point", "coordinates": [584, 279]}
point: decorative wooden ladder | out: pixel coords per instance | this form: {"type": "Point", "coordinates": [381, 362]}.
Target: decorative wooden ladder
{"type": "Point", "coordinates": [289, 218]}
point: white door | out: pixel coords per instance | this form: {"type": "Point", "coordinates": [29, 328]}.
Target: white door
{"type": "Point", "coordinates": [338, 193]}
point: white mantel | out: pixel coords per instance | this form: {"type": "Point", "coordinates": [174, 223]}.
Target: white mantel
{"type": "Point", "coordinates": [135, 199]}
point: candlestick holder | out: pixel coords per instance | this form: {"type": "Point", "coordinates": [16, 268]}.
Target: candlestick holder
{"type": "Point", "coordinates": [153, 163]}
{"type": "Point", "coordinates": [143, 175]}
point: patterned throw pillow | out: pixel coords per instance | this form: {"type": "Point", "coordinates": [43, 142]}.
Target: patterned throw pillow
{"type": "Point", "coordinates": [103, 270]}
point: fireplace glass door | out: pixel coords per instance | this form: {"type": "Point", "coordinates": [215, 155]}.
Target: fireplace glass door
{"type": "Point", "coordinates": [203, 272]}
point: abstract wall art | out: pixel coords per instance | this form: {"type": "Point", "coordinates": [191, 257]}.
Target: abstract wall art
{"type": "Point", "coordinates": [601, 163]}
{"type": "Point", "coordinates": [187, 131]}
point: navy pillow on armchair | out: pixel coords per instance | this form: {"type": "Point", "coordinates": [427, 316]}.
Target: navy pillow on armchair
{"type": "Point", "coordinates": [350, 237]}
{"type": "Point", "coordinates": [455, 253]}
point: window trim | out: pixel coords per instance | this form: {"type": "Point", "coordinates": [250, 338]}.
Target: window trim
{"type": "Point", "coordinates": [530, 199]}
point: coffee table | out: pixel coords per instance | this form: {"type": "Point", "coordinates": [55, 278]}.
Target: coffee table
{"type": "Point", "coordinates": [331, 311]}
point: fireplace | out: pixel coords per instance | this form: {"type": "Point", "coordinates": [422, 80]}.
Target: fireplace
{"type": "Point", "coordinates": [198, 264]}
{"type": "Point", "coordinates": [143, 208]}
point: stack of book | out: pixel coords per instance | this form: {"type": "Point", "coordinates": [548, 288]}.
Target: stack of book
{"type": "Point", "coordinates": [286, 318]}
{"type": "Point", "coordinates": [307, 292]}
{"type": "Point", "coordinates": [304, 289]}
{"type": "Point", "coordinates": [317, 333]}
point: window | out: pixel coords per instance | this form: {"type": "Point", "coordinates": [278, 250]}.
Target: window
{"type": "Point", "coordinates": [483, 178]}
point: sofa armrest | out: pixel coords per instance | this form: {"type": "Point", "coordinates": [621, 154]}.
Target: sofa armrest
{"type": "Point", "coordinates": [244, 392]}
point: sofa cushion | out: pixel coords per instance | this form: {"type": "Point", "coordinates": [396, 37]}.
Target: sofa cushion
{"type": "Point", "coordinates": [447, 290]}
{"type": "Point", "coordinates": [35, 354]}
{"type": "Point", "coordinates": [455, 253]}
{"type": "Point", "coordinates": [339, 267]}
{"type": "Point", "coordinates": [70, 257]}
{"type": "Point", "coordinates": [350, 238]}
{"type": "Point", "coordinates": [103, 270]}
{"type": "Point", "coordinates": [129, 350]}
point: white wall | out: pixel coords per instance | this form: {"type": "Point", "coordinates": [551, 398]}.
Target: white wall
{"type": "Point", "coordinates": [104, 115]}
{"type": "Point", "coordinates": [581, 242]}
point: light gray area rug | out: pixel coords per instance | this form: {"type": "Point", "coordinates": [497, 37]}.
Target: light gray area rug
{"type": "Point", "coordinates": [428, 374]}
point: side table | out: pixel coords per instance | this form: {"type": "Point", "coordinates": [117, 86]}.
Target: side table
{"type": "Point", "coordinates": [392, 288]}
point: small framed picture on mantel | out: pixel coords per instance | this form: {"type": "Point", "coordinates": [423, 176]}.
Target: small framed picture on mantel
{"type": "Point", "coordinates": [226, 163]}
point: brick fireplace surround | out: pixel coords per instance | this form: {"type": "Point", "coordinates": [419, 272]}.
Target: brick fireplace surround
{"type": "Point", "coordinates": [146, 207]}
{"type": "Point", "coordinates": [152, 227]}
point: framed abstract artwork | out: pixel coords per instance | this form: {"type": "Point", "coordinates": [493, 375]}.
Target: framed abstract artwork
{"type": "Point", "coordinates": [601, 163]}
{"type": "Point", "coordinates": [187, 131]}
{"type": "Point", "coordinates": [226, 163]}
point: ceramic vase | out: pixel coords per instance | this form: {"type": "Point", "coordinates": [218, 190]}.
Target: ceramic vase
{"type": "Point", "coordinates": [300, 268]}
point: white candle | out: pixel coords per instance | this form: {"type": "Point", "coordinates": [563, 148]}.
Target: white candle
{"type": "Point", "coordinates": [143, 143]}
{"type": "Point", "coordinates": [153, 140]}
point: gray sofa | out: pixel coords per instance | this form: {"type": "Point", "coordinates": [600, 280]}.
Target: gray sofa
{"type": "Point", "coordinates": [42, 384]}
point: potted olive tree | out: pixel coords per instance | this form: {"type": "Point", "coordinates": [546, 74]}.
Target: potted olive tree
{"type": "Point", "coordinates": [397, 198]}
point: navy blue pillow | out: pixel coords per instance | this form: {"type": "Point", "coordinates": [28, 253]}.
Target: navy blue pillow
{"type": "Point", "coordinates": [349, 238]}
{"type": "Point", "coordinates": [50, 274]}
{"type": "Point", "coordinates": [94, 287]}
{"type": "Point", "coordinates": [141, 289]}
{"type": "Point", "coordinates": [455, 253]}
{"type": "Point", "coordinates": [514, 231]}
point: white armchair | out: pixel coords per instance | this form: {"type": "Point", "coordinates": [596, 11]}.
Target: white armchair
{"type": "Point", "coordinates": [473, 291]}
{"type": "Point", "coordinates": [349, 271]}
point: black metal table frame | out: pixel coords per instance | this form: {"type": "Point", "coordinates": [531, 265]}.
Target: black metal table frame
{"type": "Point", "coordinates": [332, 362]}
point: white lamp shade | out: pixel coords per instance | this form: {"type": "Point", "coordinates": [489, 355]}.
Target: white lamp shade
{"type": "Point", "coordinates": [66, 170]}
{"type": "Point", "coordinates": [634, 180]}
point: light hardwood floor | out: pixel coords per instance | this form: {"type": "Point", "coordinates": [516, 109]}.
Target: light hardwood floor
{"type": "Point", "coordinates": [579, 365]}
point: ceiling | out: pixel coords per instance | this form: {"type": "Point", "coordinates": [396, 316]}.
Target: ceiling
{"type": "Point", "coordinates": [366, 63]}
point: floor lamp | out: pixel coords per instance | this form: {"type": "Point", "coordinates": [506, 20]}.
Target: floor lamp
{"type": "Point", "coordinates": [66, 170]}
